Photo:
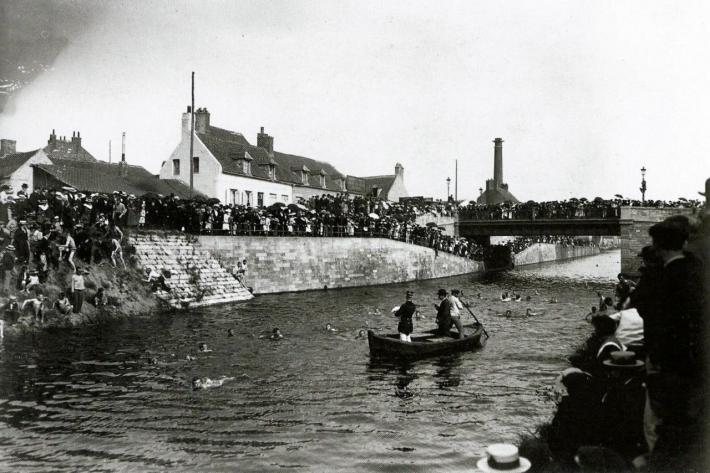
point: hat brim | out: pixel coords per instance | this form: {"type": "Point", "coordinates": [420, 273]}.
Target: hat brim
{"type": "Point", "coordinates": [635, 364]}
{"type": "Point", "coordinates": [483, 466]}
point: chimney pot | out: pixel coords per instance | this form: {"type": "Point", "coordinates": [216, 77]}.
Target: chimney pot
{"type": "Point", "coordinates": [189, 109]}
{"type": "Point", "coordinates": [262, 129]}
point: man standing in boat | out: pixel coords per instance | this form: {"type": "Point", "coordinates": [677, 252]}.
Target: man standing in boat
{"type": "Point", "coordinates": [405, 313]}
{"type": "Point", "coordinates": [456, 308]}
{"type": "Point", "coordinates": [443, 313]}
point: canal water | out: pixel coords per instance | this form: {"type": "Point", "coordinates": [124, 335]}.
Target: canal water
{"type": "Point", "coordinates": [118, 397]}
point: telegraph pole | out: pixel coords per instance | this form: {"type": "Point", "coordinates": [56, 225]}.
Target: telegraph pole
{"type": "Point", "coordinates": [192, 129]}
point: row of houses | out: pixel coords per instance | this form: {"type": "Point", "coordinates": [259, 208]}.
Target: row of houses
{"type": "Point", "coordinates": [225, 165]}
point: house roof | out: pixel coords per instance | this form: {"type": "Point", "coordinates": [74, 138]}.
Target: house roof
{"type": "Point", "coordinates": [12, 162]}
{"type": "Point", "coordinates": [383, 182]}
{"type": "Point", "coordinates": [227, 146]}
{"type": "Point", "coordinates": [100, 176]}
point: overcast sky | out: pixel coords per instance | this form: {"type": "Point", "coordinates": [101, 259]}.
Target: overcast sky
{"type": "Point", "coordinates": [583, 93]}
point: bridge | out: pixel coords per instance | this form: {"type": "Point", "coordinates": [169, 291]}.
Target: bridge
{"type": "Point", "coordinates": [632, 226]}
{"type": "Point", "coordinates": [536, 227]}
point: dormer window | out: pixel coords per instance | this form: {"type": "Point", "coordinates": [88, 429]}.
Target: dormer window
{"type": "Point", "coordinates": [340, 183]}
{"type": "Point", "coordinates": [304, 178]}
{"type": "Point", "coordinates": [272, 172]}
{"type": "Point", "coordinates": [322, 180]}
{"type": "Point", "coordinates": [246, 166]}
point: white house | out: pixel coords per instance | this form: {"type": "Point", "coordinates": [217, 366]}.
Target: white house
{"type": "Point", "coordinates": [16, 168]}
{"type": "Point", "coordinates": [228, 167]}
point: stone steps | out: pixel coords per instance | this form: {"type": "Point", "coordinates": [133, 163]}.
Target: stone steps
{"type": "Point", "coordinates": [197, 279]}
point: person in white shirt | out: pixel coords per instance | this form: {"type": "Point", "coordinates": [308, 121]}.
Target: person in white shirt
{"type": "Point", "coordinates": [629, 329]}
{"type": "Point", "coordinates": [456, 308]}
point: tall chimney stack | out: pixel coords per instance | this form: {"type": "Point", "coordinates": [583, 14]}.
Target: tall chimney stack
{"type": "Point", "coordinates": [498, 162]}
{"type": "Point", "coordinates": [123, 147]}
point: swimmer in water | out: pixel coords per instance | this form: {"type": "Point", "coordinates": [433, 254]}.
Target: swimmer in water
{"type": "Point", "coordinates": [230, 332]}
{"type": "Point", "coordinates": [204, 383]}
{"type": "Point", "coordinates": [203, 348]}
{"type": "Point", "coordinates": [330, 328]}
{"type": "Point", "coordinates": [505, 297]}
{"type": "Point", "coordinates": [190, 358]}
{"type": "Point", "coordinates": [276, 334]}
{"type": "Point", "coordinates": [530, 313]}
{"type": "Point", "coordinates": [360, 334]}
{"type": "Point", "coordinates": [553, 300]}
{"type": "Point", "coordinates": [589, 316]}
{"type": "Point", "coordinates": [528, 298]}
{"type": "Point", "coordinates": [518, 298]}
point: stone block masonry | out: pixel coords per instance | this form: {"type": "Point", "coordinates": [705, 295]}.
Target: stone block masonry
{"type": "Point", "coordinates": [544, 252]}
{"type": "Point", "coordinates": [634, 231]}
{"type": "Point", "coordinates": [285, 264]}
{"type": "Point", "coordinates": [196, 279]}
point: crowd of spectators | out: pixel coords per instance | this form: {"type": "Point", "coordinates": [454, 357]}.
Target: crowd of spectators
{"type": "Point", "coordinates": [636, 390]}
{"type": "Point", "coordinates": [518, 244]}
{"type": "Point", "coordinates": [565, 209]}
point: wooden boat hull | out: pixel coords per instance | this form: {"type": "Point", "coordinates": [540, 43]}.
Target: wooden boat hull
{"type": "Point", "coordinates": [389, 346]}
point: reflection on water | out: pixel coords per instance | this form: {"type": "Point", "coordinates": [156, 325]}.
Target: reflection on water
{"type": "Point", "coordinates": [118, 397]}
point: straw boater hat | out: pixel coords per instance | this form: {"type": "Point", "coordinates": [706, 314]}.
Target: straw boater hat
{"type": "Point", "coordinates": [503, 457]}
{"type": "Point", "coordinates": [624, 360]}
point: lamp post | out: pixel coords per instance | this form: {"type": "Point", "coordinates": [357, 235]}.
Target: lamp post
{"type": "Point", "coordinates": [643, 185]}
{"type": "Point", "coordinates": [448, 184]}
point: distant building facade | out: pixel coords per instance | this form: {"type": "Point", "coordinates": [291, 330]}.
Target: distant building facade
{"type": "Point", "coordinates": [228, 167]}
{"type": "Point", "coordinates": [496, 190]}
{"type": "Point", "coordinates": [62, 148]}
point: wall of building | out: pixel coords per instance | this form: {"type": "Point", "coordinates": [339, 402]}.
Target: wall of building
{"type": "Point", "coordinates": [210, 170]}
{"type": "Point", "coordinates": [634, 231]}
{"type": "Point", "coordinates": [544, 252]}
{"type": "Point", "coordinates": [397, 189]}
{"type": "Point", "coordinates": [283, 264]}
{"type": "Point", "coordinates": [25, 173]}
{"type": "Point", "coordinates": [273, 191]}
{"type": "Point", "coordinates": [308, 192]}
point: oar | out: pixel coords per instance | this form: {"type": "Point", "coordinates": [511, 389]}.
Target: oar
{"type": "Point", "coordinates": [476, 319]}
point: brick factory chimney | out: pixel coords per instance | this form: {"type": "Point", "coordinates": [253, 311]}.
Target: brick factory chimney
{"type": "Point", "coordinates": [8, 147]}
{"type": "Point", "coordinates": [202, 120]}
{"type": "Point", "coordinates": [265, 141]}
{"type": "Point", "coordinates": [498, 162]}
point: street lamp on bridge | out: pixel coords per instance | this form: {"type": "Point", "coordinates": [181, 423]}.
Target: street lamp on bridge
{"type": "Point", "coordinates": [448, 184]}
{"type": "Point", "coordinates": [643, 185]}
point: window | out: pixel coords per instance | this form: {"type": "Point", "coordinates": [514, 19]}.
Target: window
{"type": "Point", "coordinates": [260, 199]}
{"type": "Point", "coordinates": [284, 198]}
{"type": "Point", "coordinates": [322, 181]}
{"type": "Point", "coordinates": [234, 194]}
{"type": "Point", "coordinates": [176, 167]}
{"type": "Point", "coordinates": [340, 182]}
{"type": "Point", "coordinates": [246, 167]}
{"type": "Point", "coordinates": [247, 200]}
{"type": "Point", "coordinates": [304, 178]}
{"type": "Point", "coordinates": [272, 198]}
{"type": "Point", "coordinates": [195, 165]}
{"type": "Point", "coordinates": [272, 171]}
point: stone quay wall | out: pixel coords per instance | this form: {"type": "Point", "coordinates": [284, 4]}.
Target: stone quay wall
{"type": "Point", "coordinates": [634, 231]}
{"type": "Point", "coordinates": [544, 252]}
{"type": "Point", "coordinates": [287, 264]}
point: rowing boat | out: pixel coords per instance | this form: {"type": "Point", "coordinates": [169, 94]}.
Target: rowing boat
{"type": "Point", "coordinates": [428, 344]}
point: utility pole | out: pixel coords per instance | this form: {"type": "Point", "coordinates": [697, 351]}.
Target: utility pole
{"type": "Point", "coordinates": [192, 130]}
{"type": "Point", "coordinates": [643, 185]}
{"type": "Point", "coordinates": [448, 192]}
{"type": "Point", "coordinates": [456, 181]}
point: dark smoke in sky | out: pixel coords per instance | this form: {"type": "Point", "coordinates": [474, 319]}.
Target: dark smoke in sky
{"type": "Point", "coordinates": [32, 34]}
